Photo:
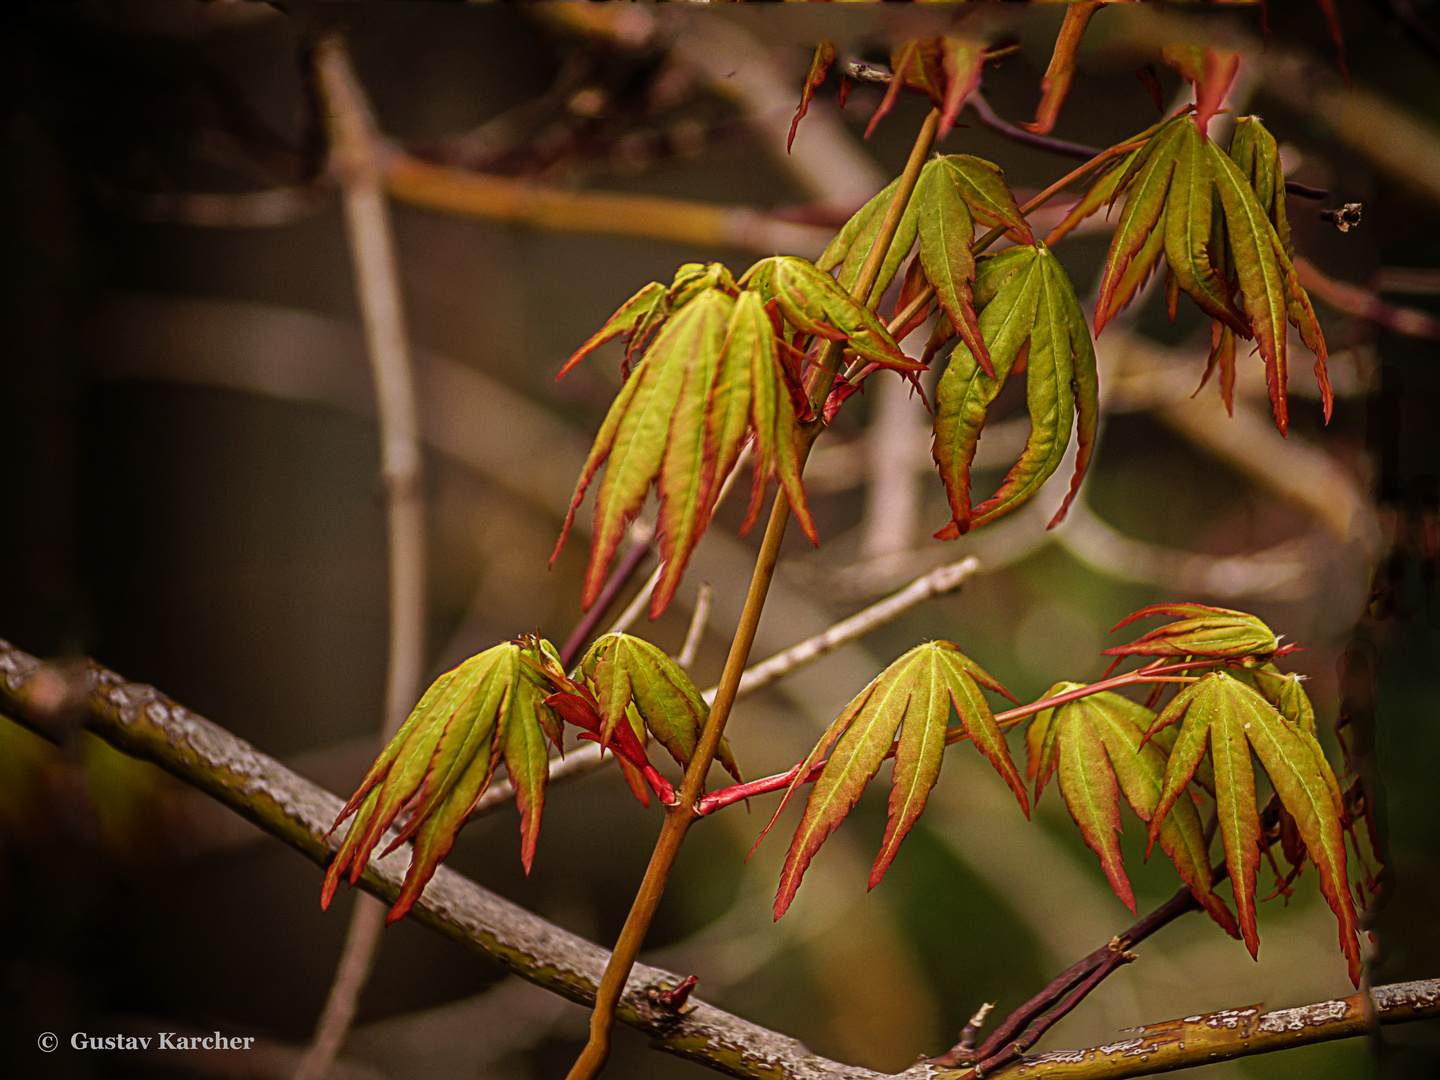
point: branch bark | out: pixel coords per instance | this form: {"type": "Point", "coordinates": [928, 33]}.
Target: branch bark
{"type": "Point", "coordinates": [140, 721]}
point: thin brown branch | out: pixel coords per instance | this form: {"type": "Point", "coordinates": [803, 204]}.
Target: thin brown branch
{"type": "Point", "coordinates": [140, 721]}
{"type": "Point", "coordinates": [356, 160]}
{"type": "Point", "coordinates": [1364, 304]}
{"type": "Point", "coordinates": [522, 202]}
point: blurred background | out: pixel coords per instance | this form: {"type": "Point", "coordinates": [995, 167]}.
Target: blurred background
{"type": "Point", "coordinates": [193, 498]}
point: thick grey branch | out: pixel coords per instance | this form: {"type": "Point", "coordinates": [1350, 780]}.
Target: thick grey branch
{"type": "Point", "coordinates": [142, 722]}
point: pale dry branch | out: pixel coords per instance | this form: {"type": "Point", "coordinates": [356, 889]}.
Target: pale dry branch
{"type": "Point", "coordinates": [140, 721]}
{"type": "Point", "coordinates": [696, 630]}
{"type": "Point", "coordinates": [356, 159]}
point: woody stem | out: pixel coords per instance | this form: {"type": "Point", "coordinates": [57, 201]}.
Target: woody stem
{"type": "Point", "coordinates": [680, 816]}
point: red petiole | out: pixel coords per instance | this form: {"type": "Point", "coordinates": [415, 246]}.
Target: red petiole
{"type": "Point", "coordinates": [1153, 673]}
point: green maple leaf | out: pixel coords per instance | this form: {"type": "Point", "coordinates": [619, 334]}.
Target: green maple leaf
{"type": "Point", "coordinates": [1203, 632]}
{"type": "Point", "coordinates": [951, 194]}
{"type": "Point", "coordinates": [1098, 746]}
{"type": "Point", "coordinates": [711, 373]}
{"type": "Point", "coordinates": [1235, 265]}
{"type": "Point", "coordinates": [1231, 718]}
{"type": "Point", "coordinates": [1028, 308]}
{"type": "Point", "coordinates": [632, 679]}
{"type": "Point", "coordinates": [910, 699]}
{"type": "Point", "coordinates": [488, 709]}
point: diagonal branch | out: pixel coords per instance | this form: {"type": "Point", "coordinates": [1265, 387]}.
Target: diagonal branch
{"type": "Point", "coordinates": [140, 721]}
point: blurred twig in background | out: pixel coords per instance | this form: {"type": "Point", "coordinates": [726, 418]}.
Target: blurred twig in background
{"type": "Point", "coordinates": [355, 159]}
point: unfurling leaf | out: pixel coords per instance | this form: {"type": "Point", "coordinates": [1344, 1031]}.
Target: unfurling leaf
{"type": "Point", "coordinates": [1028, 309]}
{"type": "Point", "coordinates": [951, 193]}
{"type": "Point", "coordinates": [911, 698]}
{"type": "Point", "coordinates": [711, 373]}
{"type": "Point", "coordinates": [492, 706]}
{"type": "Point", "coordinates": [628, 675]}
{"type": "Point", "coordinates": [1056, 83]}
{"type": "Point", "coordinates": [1235, 264]}
{"type": "Point", "coordinates": [820, 66]}
{"type": "Point", "coordinates": [1098, 744]}
{"type": "Point", "coordinates": [1232, 718]}
{"type": "Point", "coordinates": [1208, 633]}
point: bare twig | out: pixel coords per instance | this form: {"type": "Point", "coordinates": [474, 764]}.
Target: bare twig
{"type": "Point", "coordinates": [1364, 304]}
{"type": "Point", "coordinates": [936, 583]}
{"type": "Point", "coordinates": [696, 630]}
{"type": "Point", "coordinates": [141, 722]}
{"type": "Point", "coordinates": [356, 161]}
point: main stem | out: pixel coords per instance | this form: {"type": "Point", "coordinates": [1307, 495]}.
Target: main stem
{"type": "Point", "coordinates": [680, 816]}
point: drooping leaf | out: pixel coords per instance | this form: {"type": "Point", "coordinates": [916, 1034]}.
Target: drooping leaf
{"type": "Point", "coordinates": [963, 60]}
{"type": "Point", "coordinates": [952, 190]}
{"type": "Point", "coordinates": [1091, 792]}
{"type": "Point", "coordinates": [965, 393]}
{"type": "Point", "coordinates": [1056, 82]}
{"type": "Point", "coordinates": [1202, 632]}
{"type": "Point", "coordinates": [1234, 719]}
{"type": "Point", "coordinates": [1140, 768]}
{"type": "Point", "coordinates": [629, 673]}
{"type": "Point", "coordinates": [443, 758]}
{"type": "Point", "coordinates": [911, 698]}
{"type": "Point", "coordinates": [1146, 183]}
{"type": "Point", "coordinates": [1061, 386]}
{"type": "Point", "coordinates": [820, 65]}
{"type": "Point", "coordinates": [696, 337]}
{"type": "Point", "coordinates": [1235, 265]}
{"type": "Point", "coordinates": [1029, 309]}
{"type": "Point", "coordinates": [1211, 70]}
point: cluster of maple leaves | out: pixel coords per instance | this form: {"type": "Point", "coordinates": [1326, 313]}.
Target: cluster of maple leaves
{"type": "Point", "coordinates": [713, 362]}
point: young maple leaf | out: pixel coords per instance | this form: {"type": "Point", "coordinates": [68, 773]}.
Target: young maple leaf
{"type": "Point", "coordinates": [1232, 719]}
{"type": "Point", "coordinates": [1098, 745]}
{"type": "Point", "coordinates": [489, 708]}
{"type": "Point", "coordinates": [632, 679]}
{"type": "Point", "coordinates": [1028, 308]}
{"type": "Point", "coordinates": [951, 194]}
{"type": "Point", "coordinates": [711, 373]}
{"type": "Point", "coordinates": [911, 698]}
{"type": "Point", "coordinates": [1235, 266]}
{"type": "Point", "coordinates": [1203, 632]}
